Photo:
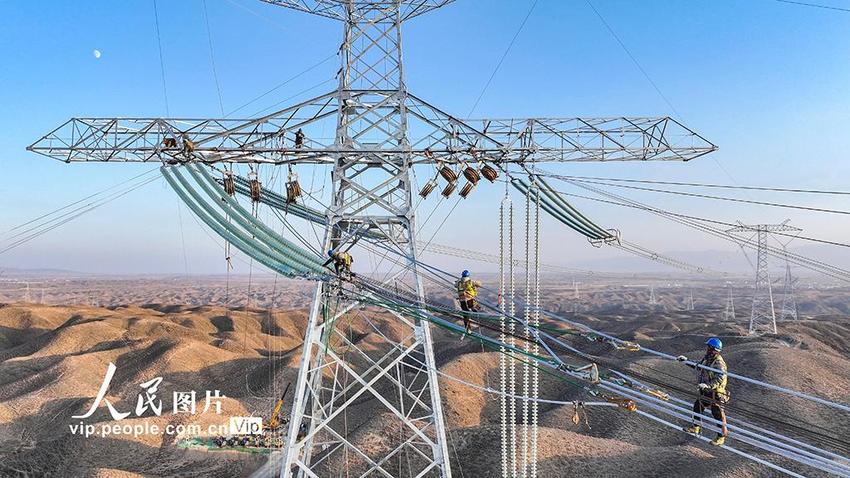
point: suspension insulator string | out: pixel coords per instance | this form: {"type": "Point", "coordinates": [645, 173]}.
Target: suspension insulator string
{"type": "Point", "coordinates": [512, 419]}
{"type": "Point", "coordinates": [535, 322]}
{"type": "Point", "coordinates": [526, 370]}
{"type": "Point", "coordinates": [503, 371]}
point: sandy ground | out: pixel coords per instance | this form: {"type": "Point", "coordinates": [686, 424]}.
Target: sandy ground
{"type": "Point", "coordinates": [53, 359]}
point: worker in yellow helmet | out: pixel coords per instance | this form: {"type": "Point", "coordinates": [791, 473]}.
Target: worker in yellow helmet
{"type": "Point", "coordinates": [342, 263]}
{"type": "Point", "coordinates": [467, 291]}
{"type": "Point", "coordinates": [712, 388]}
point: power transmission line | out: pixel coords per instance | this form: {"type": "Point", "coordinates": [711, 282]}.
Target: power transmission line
{"type": "Point", "coordinates": [707, 185]}
{"type": "Point", "coordinates": [502, 59]}
{"type": "Point", "coordinates": [696, 218]}
{"type": "Point", "coordinates": [815, 5]}
{"type": "Point", "coordinates": [634, 60]}
{"type": "Point", "coordinates": [161, 61]}
{"type": "Point", "coordinates": [282, 84]}
{"type": "Point", "coordinates": [720, 198]}
{"type": "Point", "coordinates": [212, 55]}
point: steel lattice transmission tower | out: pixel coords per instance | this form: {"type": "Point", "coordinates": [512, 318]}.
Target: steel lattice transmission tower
{"type": "Point", "coordinates": [763, 314]}
{"type": "Point", "coordinates": [382, 132]}
{"type": "Point", "coordinates": [372, 191]}
{"type": "Point", "coordinates": [575, 297]}
{"type": "Point", "coordinates": [789, 302]}
{"type": "Point", "coordinates": [729, 311]}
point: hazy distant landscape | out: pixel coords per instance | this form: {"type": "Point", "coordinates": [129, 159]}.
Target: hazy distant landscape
{"type": "Point", "coordinates": [52, 358]}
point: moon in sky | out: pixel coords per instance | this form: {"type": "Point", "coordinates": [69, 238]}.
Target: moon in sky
{"type": "Point", "coordinates": [96, 53]}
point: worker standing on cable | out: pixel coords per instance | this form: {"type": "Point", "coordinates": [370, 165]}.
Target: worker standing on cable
{"type": "Point", "coordinates": [342, 263]}
{"type": "Point", "coordinates": [467, 291]}
{"type": "Point", "coordinates": [712, 388]}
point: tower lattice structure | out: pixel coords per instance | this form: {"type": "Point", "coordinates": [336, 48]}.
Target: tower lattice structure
{"type": "Point", "coordinates": [762, 312]}
{"type": "Point", "coordinates": [729, 311]}
{"type": "Point", "coordinates": [789, 301]}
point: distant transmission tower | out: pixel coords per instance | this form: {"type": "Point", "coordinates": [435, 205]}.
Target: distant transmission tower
{"type": "Point", "coordinates": [729, 312]}
{"type": "Point", "coordinates": [689, 305]}
{"type": "Point", "coordinates": [575, 297]}
{"type": "Point", "coordinates": [652, 299]}
{"type": "Point", "coordinates": [789, 303]}
{"type": "Point", "coordinates": [763, 315]}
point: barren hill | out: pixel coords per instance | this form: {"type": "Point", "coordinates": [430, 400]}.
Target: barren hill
{"type": "Point", "coordinates": [53, 360]}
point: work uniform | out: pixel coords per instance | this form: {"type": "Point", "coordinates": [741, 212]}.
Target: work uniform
{"type": "Point", "coordinates": [342, 263]}
{"type": "Point", "coordinates": [467, 290]}
{"type": "Point", "coordinates": [715, 395]}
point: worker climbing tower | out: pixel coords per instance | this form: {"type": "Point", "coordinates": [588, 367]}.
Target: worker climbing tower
{"type": "Point", "coordinates": [763, 314]}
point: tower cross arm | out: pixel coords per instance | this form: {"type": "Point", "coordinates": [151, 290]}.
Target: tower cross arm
{"type": "Point", "coordinates": [375, 11]}
{"type": "Point", "coordinates": [596, 139]}
{"type": "Point", "coordinates": [267, 139]}
{"type": "Point", "coordinates": [781, 227]}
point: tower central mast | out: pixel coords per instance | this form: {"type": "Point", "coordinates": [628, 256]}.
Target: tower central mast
{"type": "Point", "coordinates": [372, 193]}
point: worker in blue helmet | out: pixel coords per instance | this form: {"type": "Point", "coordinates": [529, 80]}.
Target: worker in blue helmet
{"type": "Point", "coordinates": [342, 263]}
{"type": "Point", "coordinates": [711, 383]}
{"type": "Point", "coordinates": [467, 291]}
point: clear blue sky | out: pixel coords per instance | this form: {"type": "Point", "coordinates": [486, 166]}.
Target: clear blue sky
{"type": "Point", "coordinates": [768, 82]}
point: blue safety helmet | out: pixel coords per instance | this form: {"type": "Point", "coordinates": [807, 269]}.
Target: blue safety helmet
{"type": "Point", "coordinates": [464, 274]}
{"type": "Point", "coordinates": [715, 343]}
{"type": "Point", "coordinates": [331, 252]}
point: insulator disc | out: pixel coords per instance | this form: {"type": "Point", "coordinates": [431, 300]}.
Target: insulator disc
{"type": "Point", "coordinates": [471, 175]}
{"type": "Point", "coordinates": [229, 185]}
{"type": "Point", "coordinates": [449, 189]}
{"type": "Point", "coordinates": [489, 173]}
{"type": "Point", "coordinates": [255, 190]}
{"type": "Point", "coordinates": [448, 174]}
{"type": "Point", "coordinates": [427, 189]}
{"type": "Point", "coordinates": [467, 188]}
{"type": "Point", "coordinates": [293, 191]}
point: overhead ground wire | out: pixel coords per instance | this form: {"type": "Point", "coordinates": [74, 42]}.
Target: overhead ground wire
{"type": "Point", "coordinates": [39, 228]}
{"type": "Point", "coordinates": [698, 218]}
{"type": "Point", "coordinates": [700, 185]}
{"type": "Point", "coordinates": [719, 198]}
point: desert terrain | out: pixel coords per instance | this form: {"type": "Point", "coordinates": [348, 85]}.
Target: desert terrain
{"type": "Point", "coordinates": [216, 334]}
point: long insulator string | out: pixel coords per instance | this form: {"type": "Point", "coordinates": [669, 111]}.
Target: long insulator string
{"type": "Point", "coordinates": [503, 370]}
{"type": "Point", "coordinates": [535, 348]}
{"type": "Point", "coordinates": [512, 418]}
